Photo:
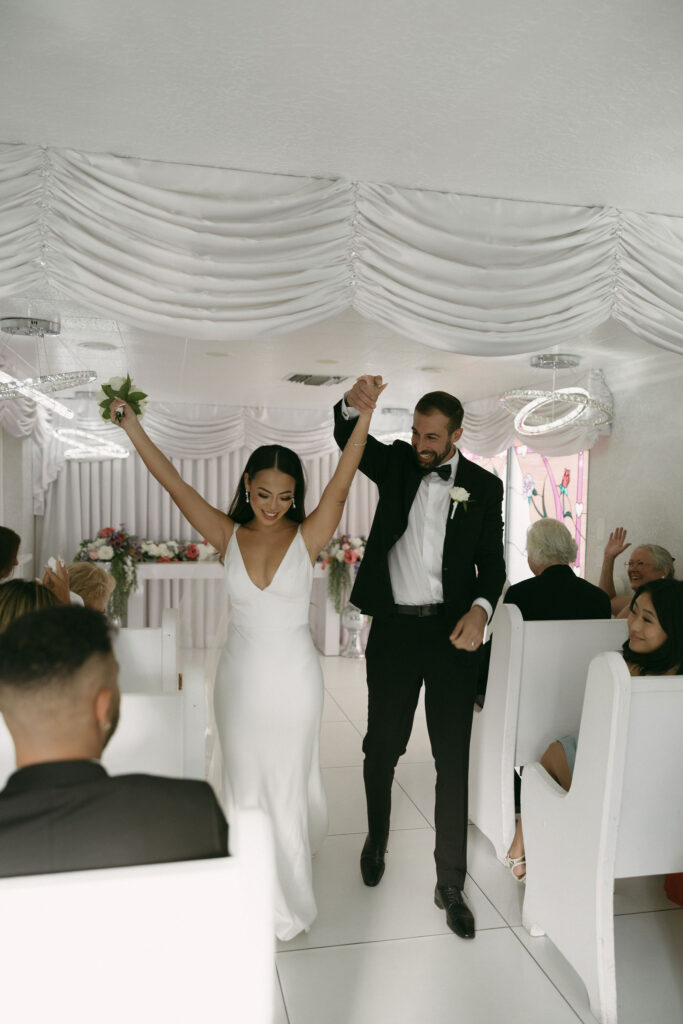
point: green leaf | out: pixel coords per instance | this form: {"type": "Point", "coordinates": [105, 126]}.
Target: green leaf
{"type": "Point", "coordinates": [136, 396]}
{"type": "Point", "coordinates": [568, 514]}
{"type": "Point", "coordinates": [125, 387]}
{"type": "Point", "coordinates": [106, 415]}
{"type": "Point", "coordinates": [109, 392]}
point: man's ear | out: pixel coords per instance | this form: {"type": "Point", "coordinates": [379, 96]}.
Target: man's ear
{"type": "Point", "coordinates": [103, 709]}
{"type": "Point", "coordinates": [456, 435]}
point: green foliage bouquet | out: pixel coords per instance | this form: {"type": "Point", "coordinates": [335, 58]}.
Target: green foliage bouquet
{"type": "Point", "coordinates": [124, 388]}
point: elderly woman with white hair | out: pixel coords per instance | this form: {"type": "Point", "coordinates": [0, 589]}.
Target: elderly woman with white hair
{"type": "Point", "coordinates": [647, 562]}
{"type": "Point", "coordinates": [555, 591]}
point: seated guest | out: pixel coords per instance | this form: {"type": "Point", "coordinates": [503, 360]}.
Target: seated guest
{"type": "Point", "coordinates": [647, 562]}
{"type": "Point", "coordinates": [654, 648]}
{"type": "Point", "coordinates": [19, 597]}
{"type": "Point", "coordinates": [9, 551]}
{"type": "Point", "coordinates": [555, 591]}
{"type": "Point", "coordinates": [92, 583]}
{"type": "Point", "coordinates": [60, 811]}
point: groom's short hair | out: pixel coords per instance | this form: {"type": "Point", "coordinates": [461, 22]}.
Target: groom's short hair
{"type": "Point", "coordinates": [441, 401]}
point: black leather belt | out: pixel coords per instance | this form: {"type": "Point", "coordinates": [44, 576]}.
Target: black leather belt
{"type": "Point", "coordinates": [418, 609]}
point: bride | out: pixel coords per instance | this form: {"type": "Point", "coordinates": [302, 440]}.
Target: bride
{"type": "Point", "coordinates": [269, 689]}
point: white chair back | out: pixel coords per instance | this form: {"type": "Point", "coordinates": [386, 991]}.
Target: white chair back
{"type": "Point", "coordinates": [620, 818]}
{"type": "Point", "coordinates": [190, 941]}
{"type": "Point", "coordinates": [536, 683]}
{"type": "Point", "coordinates": [149, 658]}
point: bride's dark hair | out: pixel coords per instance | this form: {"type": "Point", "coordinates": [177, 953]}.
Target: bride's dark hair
{"type": "Point", "coordinates": [667, 599]}
{"type": "Point", "coordinates": [270, 456]}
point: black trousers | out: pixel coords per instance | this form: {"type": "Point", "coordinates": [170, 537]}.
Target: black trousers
{"type": "Point", "coordinates": [402, 652]}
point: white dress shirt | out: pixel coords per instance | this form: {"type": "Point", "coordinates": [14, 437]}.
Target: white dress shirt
{"type": "Point", "coordinates": [416, 559]}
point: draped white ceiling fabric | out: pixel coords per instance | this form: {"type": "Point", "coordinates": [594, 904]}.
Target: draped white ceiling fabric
{"type": "Point", "coordinates": [234, 255]}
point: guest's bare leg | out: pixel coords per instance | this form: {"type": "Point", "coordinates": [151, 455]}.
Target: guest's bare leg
{"type": "Point", "coordinates": [555, 763]}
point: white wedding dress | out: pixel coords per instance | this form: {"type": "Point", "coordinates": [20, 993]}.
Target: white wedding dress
{"type": "Point", "coordinates": [268, 700]}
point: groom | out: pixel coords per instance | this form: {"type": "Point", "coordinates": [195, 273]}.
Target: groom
{"type": "Point", "coordinates": [432, 572]}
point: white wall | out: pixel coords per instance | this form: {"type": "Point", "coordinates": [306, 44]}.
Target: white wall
{"type": "Point", "coordinates": [16, 503]}
{"type": "Point", "coordinates": [636, 475]}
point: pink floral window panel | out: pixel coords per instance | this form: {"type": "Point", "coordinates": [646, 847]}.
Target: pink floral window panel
{"type": "Point", "coordinates": [496, 464]}
{"type": "Point", "coordinates": [554, 486]}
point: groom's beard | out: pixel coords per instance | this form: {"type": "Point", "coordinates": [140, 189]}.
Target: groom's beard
{"type": "Point", "coordinates": [436, 458]}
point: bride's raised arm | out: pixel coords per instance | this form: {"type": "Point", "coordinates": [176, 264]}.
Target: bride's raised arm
{"type": "Point", "coordinates": [319, 526]}
{"type": "Point", "coordinates": [210, 522]}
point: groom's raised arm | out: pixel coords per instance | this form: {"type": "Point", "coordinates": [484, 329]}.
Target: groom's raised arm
{"type": "Point", "coordinates": [375, 457]}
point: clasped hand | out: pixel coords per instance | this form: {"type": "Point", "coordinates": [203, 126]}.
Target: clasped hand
{"type": "Point", "coordinates": [365, 392]}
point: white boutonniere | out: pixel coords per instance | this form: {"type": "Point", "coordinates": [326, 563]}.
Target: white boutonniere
{"type": "Point", "coordinates": [459, 496]}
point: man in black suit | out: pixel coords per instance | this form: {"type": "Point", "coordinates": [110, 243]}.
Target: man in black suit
{"type": "Point", "coordinates": [555, 591]}
{"type": "Point", "coordinates": [432, 572]}
{"type": "Point", "coordinates": [60, 811]}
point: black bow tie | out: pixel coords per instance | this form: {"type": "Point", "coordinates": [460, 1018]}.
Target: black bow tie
{"type": "Point", "coordinates": [443, 471]}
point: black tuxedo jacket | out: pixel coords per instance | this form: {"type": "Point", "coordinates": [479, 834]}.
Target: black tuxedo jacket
{"type": "Point", "coordinates": [473, 564]}
{"type": "Point", "coordinates": [558, 593]}
{"type": "Point", "coordinates": [71, 815]}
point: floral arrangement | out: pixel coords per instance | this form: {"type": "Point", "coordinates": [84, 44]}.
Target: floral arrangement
{"type": "Point", "coordinates": [176, 551]}
{"type": "Point", "coordinates": [341, 558]}
{"type": "Point", "coordinates": [122, 552]}
{"type": "Point", "coordinates": [124, 388]}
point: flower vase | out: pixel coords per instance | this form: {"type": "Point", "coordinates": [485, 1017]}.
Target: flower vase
{"type": "Point", "coordinates": [353, 621]}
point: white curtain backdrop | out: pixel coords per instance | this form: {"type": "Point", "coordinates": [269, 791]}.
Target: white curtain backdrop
{"type": "Point", "coordinates": [86, 496]}
{"type": "Point", "coordinates": [221, 254]}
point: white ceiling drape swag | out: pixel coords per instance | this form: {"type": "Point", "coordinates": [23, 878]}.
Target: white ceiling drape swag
{"type": "Point", "coordinates": [219, 254]}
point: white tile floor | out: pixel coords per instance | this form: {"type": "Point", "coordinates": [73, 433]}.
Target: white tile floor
{"type": "Point", "coordinates": [385, 955]}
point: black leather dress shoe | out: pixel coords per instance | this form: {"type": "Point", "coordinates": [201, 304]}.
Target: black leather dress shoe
{"type": "Point", "coordinates": [459, 917]}
{"type": "Point", "coordinates": [372, 861]}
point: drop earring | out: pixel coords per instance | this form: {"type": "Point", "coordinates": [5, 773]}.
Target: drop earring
{"type": "Point", "coordinates": [293, 502]}
{"type": "Point", "coordinates": [246, 494]}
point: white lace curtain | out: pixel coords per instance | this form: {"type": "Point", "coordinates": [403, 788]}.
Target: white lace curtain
{"type": "Point", "coordinates": [219, 254]}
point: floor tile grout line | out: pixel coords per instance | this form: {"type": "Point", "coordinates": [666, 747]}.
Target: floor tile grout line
{"type": "Point", "coordinates": [282, 991]}
{"type": "Point", "coordinates": [398, 938]}
{"type": "Point", "coordinates": [545, 973]}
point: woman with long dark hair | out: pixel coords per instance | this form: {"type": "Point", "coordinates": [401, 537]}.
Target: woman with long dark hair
{"type": "Point", "coordinates": [268, 692]}
{"type": "Point", "coordinates": [654, 648]}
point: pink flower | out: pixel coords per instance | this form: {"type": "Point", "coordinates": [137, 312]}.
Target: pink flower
{"type": "Point", "coordinates": [192, 551]}
{"type": "Point", "coordinates": [106, 532]}
{"type": "Point", "coordinates": [350, 556]}
{"type": "Point", "coordinates": [163, 558]}
{"type": "Point", "coordinates": [94, 554]}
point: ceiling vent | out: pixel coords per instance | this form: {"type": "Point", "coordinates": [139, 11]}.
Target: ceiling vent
{"type": "Point", "coordinates": [28, 327]}
{"type": "Point", "coordinates": [314, 380]}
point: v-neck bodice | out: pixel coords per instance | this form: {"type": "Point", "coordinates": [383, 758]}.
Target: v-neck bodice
{"type": "Point", "coordinates": [283, 604]}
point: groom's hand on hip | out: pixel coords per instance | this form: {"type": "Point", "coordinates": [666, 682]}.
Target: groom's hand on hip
{"type": "Point", "coordinates": [364, 393]}
{"type": "Point", "coordinates": [469, 630]}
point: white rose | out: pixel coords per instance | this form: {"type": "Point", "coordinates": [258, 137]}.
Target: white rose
{"type": "Point", "coordinates": [459, 494]}
{"type": "Point", "coordinates": [106, 553]}
{"type": "Point", "coordinates": [206, 552]}
{"type": "Point", "coordinates": [116, 383]}
{"type": "Point", "coordinates": [339, 556]}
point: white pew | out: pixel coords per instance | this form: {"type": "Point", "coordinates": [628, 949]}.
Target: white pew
{"type": "Point", "coordinates": [190, 941]}
{"type": "Point", "coordinates": [157, 734]}
{"type": "Point", "coordinates": [149, 658]}
{"type": "Point", "coordinates": [536, 683]}
{"type": "Point", "coordinates": [621, 818]}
